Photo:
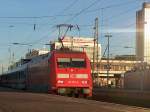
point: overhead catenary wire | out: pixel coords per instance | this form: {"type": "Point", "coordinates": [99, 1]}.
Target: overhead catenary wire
{"type": "Point", "coordinates": [75, 13]}
{"type": "Point", "coordinates": [71, 14]}
{"type": "Point", "coordinates": [61, 15]}
{"type": "Point", "coordinates": [39, 17]}
{"type": "Point", "coordinates": [118, 15]}
{"type": "Point", "coordinates": [82, 11]}
{"type": "Point", "coordinates": [112, 6]}
{"type": "Point", "coordinates": [69, 6]}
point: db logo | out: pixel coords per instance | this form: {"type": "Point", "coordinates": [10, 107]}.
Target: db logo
{"type": "Point", "coordinates": [71, 70]}
{"type": "Point", "coordinates": [72, 75]}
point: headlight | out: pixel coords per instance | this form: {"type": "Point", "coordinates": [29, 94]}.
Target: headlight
{"type": "Point", "coordinates": [84, 76]}
{"type": "Point", "coordinates": [84, 82]}
{"type": "Point", "coordinates": [62, 75]}
{"type": "Point", "coordinates": [60, 82]}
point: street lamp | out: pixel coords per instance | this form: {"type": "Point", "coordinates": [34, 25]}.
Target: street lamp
{"type": "Point", "coordinates": [131, 56]}
{"type": "Point", "coordinates": [49, 46]}
{"type": "Point", "coordinates": [20, 44]}
{"type": "Point", "coordinates": [127, 47]}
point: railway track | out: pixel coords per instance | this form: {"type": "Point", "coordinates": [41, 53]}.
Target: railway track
{"type": "Point", "coordinates": [127, 97]}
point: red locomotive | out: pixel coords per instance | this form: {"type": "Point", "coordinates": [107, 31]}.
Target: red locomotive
{"type": "Point", "coordinates": [61, 72]}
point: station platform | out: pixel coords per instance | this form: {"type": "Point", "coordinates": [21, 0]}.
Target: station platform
{"type": "Point", "coordinates": [37, 102]}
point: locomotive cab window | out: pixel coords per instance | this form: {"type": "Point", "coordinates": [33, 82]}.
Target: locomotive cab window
{"type": "Point", "coordinates": [71, 63]}
{"type": "Point", "coordinates": [63, 62]}
{"type": "Point", "coordinates": [78, 63]}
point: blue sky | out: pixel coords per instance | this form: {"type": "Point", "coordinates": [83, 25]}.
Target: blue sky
{"type": "Point", "coordinates": [18, 17]}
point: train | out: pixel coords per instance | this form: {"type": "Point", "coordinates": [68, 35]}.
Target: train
{"type": "Point", "coordinates": [63, 72]}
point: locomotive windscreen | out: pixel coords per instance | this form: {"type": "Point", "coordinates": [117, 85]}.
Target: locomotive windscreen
{"type": "Point", "coordinates": [71, 63]}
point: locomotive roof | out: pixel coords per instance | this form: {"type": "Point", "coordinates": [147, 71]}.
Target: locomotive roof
{"type": "Point", "coordinates": [67, 51]}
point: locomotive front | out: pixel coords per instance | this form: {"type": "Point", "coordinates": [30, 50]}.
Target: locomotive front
{"type": "Point", "coordinates": [73, 74]}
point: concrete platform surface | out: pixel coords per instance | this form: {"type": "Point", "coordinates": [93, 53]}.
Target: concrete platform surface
{"type": "Point", "coordinates": [37, 102]}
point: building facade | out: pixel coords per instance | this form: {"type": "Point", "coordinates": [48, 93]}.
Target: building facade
{"type": "Point", "coordinates": [143, 33]}
{"type": "Point", "coordinates": [79, 44]}
{"type": "Point", "coordinates": [115, 76]}
{"type": "Point", "coordinates": [33, 53]}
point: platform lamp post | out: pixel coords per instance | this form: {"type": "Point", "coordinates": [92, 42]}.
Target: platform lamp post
{"type": "Point", "coordinates": [2, 67]}
{"type": "Point", "coordinates": [131, 57]}
{"type": "Point", "coordinates": [21, 44]}
{"type": "Point", "coordinates": [26, 44]}
{"type": "Point", "coordinates": [49, 46]}
{"type": "Point", "coordinates": [108, 35]}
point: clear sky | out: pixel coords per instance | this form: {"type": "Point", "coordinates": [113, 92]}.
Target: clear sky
{"type": "Point", "coordinates": [17, 19]}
